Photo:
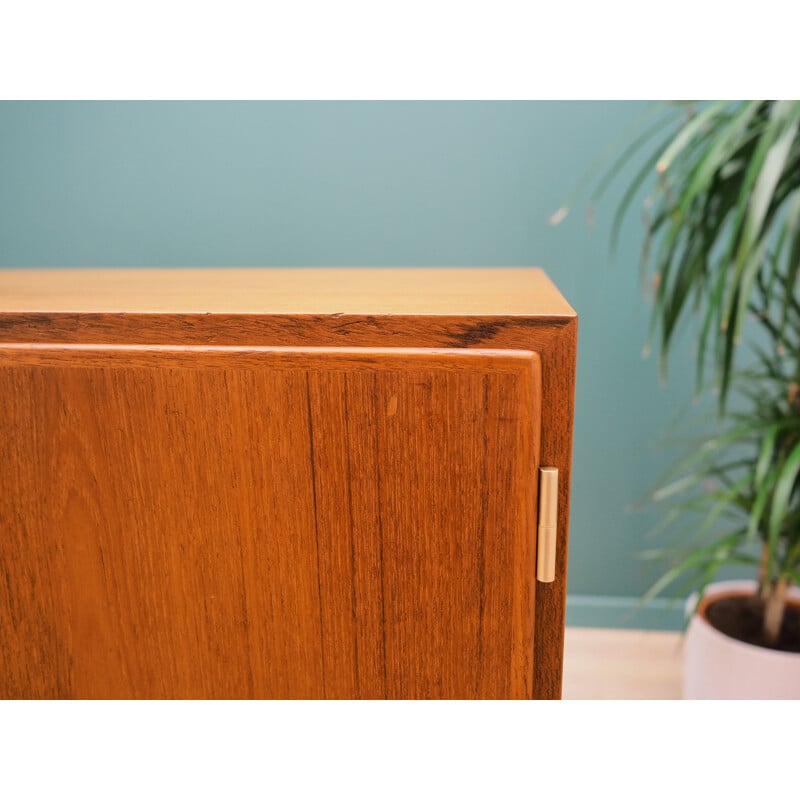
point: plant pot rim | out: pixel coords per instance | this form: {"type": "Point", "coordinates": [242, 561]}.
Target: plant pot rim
{"type": "Point", "coordinates": [734, 588]}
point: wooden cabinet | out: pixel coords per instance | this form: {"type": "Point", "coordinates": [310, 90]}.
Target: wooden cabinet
{"type": "Point", "coordinates": [282, 483]}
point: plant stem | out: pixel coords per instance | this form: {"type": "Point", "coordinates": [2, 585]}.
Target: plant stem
{"type": "Point", "coordinates": [763, 574]}
{"type": "Point", "coordinates": [774, 611]}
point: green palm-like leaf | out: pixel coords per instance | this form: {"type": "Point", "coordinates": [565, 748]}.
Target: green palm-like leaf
{"type": "Point", "coordinates": [722, 241]}
{"type": "Point", "coordinates": [724, 196]}
{"type": "Point", "coordinates": [784, 487]}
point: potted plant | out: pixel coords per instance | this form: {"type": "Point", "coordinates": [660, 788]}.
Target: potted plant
{"type": "Point", "coordinates": [722, 249]}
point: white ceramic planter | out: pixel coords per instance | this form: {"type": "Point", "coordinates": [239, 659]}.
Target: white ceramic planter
{"type": "Point", "coordinates": [717, 667]}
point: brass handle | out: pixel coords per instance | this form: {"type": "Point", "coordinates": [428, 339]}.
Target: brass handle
{"type": "Point", "coordinates": [547, 533]}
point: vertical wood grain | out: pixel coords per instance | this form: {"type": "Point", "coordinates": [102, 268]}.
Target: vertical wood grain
{"type": "Point", "coordinates": [212, 523]}
{"type": "Point", "coordinates": [558, 415]}
{"type": "Point", "coordinates": [366, 516]}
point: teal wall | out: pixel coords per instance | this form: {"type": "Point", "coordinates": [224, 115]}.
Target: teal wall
{"type": "Point", "coordinates": [374, 183]}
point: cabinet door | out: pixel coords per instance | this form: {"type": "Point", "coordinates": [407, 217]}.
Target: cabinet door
{"type": "Point", "coordinates": [229, 522]}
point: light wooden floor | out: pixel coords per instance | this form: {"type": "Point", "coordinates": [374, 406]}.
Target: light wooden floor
{"type": "Point", "coordinates": [604, 664]}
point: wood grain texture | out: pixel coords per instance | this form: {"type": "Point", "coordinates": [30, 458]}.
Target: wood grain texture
{"type": "Point", "coordinates": [268, 522]}
{"type": "Point", "coordinates": [297, 291]}
{"type": "Point", "coordinates": [526, 313]}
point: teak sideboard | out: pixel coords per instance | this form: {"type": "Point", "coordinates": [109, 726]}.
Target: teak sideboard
{"type": "Point", "coordinates": [284, 483]}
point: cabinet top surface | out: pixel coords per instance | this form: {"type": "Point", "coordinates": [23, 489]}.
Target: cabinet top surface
{"type": "Point", "coordinates": [469, 291]}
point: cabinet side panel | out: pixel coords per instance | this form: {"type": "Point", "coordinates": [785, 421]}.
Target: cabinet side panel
{"type": "Point", "coordinates": [558, 408]}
